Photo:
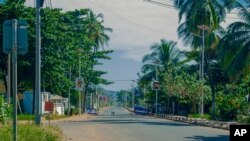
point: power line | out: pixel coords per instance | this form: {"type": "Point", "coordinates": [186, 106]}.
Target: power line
{"type": "Point", "coordinates": [173, 7]}
{"type": "Point", "coordinates": [129, 21]}
{"type": "Point", "coordinates": [161, 4]}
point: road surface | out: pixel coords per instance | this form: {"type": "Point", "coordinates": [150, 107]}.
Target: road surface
{"type": "Point", "coordinates": [126, 127]}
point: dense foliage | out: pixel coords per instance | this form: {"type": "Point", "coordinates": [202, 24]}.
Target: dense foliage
{"type": "Point", "coordinates": [227, 62]}
{"type": "Point", "coordinates": [72, 43]}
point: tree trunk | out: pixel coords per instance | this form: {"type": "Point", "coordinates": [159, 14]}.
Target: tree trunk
{"type": "Point", "coordinates": [193, 109]}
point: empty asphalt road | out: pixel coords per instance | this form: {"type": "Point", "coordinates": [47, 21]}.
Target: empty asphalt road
{"type": "Point", "coordinates": [125, 127]}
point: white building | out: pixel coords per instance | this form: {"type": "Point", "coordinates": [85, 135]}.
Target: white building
{"type": "Point", "coordinates": [60, 103]}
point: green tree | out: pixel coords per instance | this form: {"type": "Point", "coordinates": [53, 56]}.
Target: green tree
{"type": "Point", "coordinates": [163, 57]}
{"type": "Point", "coordinates": [95, 29]}
{"type": "Point", "coordinates": [203, 12]}
{"type": "Point", "coordinates": [234, 47]}
{"type": "Point", "coordinates": [65, 43]}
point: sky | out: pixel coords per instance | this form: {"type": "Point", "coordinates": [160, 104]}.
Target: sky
{"type": "Point", "coordinates": [136, 26]}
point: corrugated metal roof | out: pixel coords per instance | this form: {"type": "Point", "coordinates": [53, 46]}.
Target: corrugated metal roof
{"type": "Point", "coordinates": [56, 97]}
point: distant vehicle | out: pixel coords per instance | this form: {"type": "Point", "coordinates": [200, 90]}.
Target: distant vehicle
{"type": "Point", "coordinates": [140, 110]}
{"type": "Point", "coordinates": [92, 111]}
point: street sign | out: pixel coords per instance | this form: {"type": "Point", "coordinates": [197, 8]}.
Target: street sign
{"type": "Point", "coordinates": [79, 84]}
{"type": "Point", "coordinates": [49, 106]}
{"type": "Point", "coordinates": [22, 39]}
{"type": "Point", "coordinates": [155, 85]}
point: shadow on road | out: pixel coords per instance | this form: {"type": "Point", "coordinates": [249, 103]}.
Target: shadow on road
{"type": "Point", "coordinates": [128, 121]}
{"type": "Point", "coordinates": [206, 138]}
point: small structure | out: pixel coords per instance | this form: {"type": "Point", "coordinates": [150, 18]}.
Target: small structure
{"type": "Point", "coordinates": [60, 103]}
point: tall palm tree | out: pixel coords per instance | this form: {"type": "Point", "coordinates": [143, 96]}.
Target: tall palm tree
{"type": "Point", "coordinates": [235, 45]}
{"type": "Point", "coordinates": [96, 31]}
{"type": "Point", "coordinates": [202, 12]}
{"type": "Point", "coordinates": [164, 54]}
{"type": "Point", "coordinates": [199, 12]}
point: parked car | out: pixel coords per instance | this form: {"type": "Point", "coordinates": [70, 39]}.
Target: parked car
{"type": "Point", "coordinates": [92, 111]}
{"type": "Point", "coordinates": [140, 110]}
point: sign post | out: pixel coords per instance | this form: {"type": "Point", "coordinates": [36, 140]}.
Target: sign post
{"type": "Point", "coordinates": [49, 106]}
{"type": "Point", "coordinates": [14, 77]}
{"type": "Point", "coordinates": [79, 84]}
{"type": "Point", "coordinates": [14, 42]}
{"type": "Point", "coordinates": [155, 85]}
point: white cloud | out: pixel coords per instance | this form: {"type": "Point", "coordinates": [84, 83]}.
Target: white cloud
{"type": "Point", "coordinates": [136, 26]}
{"type": "Point", "coordinates": [136, 23]}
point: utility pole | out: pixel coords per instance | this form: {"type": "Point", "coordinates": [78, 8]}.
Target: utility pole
{"type": "Point", "coordinates": [69, 91]}
{"type": "Point", "coordinates": [38, 97]}
{"type": "Point", "coordinates": [203, 28]}
{"type": "Point", "coordinates": [156, 93]}
{"type": "Point", "coordinates": [126, 99]}
{"type": "Point", "coordinates": [91, 96]}
{"type": "Point", "coordinates": [14, 78]}
{"type": "Point", "coordinates": [79, 75]}
{"type": "Point", "coordinates": [133, 94]}
{"type": "Point", "coordinates": [9, 79]}
{"type": "Point", "coordinates": [133, 99]}
{"type": "Point", "coordinates": [95, 100]}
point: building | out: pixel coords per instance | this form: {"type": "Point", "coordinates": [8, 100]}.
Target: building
{"type": "Point", "coordinates": [60, 103]}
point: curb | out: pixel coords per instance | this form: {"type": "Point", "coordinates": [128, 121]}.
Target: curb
{"type": "Point", "coordinates": [201, 122]}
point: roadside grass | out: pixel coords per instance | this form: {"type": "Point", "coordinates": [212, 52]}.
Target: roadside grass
{"type": "Point", "coordinates": [26, 117]}
{"type": "Point", "coordinates": [55, 117]}
{"type": "Point", "coordinates": [47, 117]}
{"type": "Point", "coordinates": [31, 132]}
{"type": "Point", "coordinates": [205, 116]}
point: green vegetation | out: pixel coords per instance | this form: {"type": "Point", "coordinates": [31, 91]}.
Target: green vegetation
{"type": "Point", "coordinates": [71, 41]}
{"type": "Point", "coordinates": [28, 132]}
{"type": "Point", "coordinates": [55, 117]}
{"type": "Point", "coordinates": [25, 117]}
{"type": "Point", "coordinates": [226, 64]}
{"type": "Point", "coordinates": [5, 112]}
{"type": "Point", "coordinates": [205, 116]}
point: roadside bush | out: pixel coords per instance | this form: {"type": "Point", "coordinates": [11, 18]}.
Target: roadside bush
{"type": "Point", "coordinates": [205, 116]}
{"type": "Point", "coordinates": [230, 106]}
{"type": "Point", "coordinates": [5, 112]}
{"type": "Point", "coordinates": [30, 132]}
{"type": "Point", "coordinates": [245, 119]}
{"type": "Point", "coordinates": [74, 111]}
